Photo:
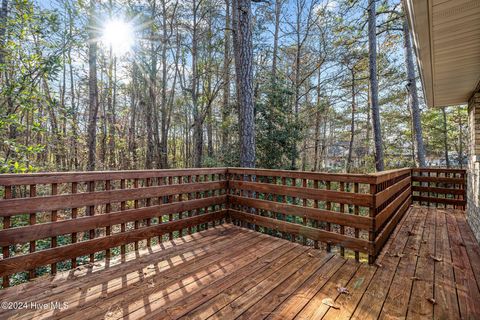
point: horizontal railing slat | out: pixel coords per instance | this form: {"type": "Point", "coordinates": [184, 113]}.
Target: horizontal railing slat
{"type": "Point", "coordinates": [67, 177]}
{"type": "Point", "coordinates": [387, 212]}
{"type": "Point", "coordinates": [354, 221]}
{"type": "Point", "coordinates": [311, 233]}
{"type": "Point", "coordinates": [386, 194]}
{"type": "Point", "coordinates": [29, 261]}
{"type": "Point", "coordinates": [384, 176]}
{"type": "Point", "coordinates": [439, 180]}
{"type": "Point", "coordinates": [439, 190]}
{"type": "Point", "coordinates": [321, 176]}
{"type": "Point", "coordinates": [383, 236]}
{"type": "Point", "coordinates": [441, 170]}
{"type": "Point", "coordinates": [45, 230]}
{"type": "Point", "coordinates": [458, 202]}
{"type": "Point", "coordinates": [364, 200]}
{"type": "Point", "coordinates": [28, 205]}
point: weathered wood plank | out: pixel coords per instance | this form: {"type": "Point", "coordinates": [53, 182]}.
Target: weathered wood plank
{"type": "Point", "coordinates": [250, 297]}
{"type": "Point", "coordinates": [371, 303]}
{"type": "Point", "coordinates": [268, 303]}
{"type": "Point", "coordinates": [39, 258]}
{"type": "Point", "coordinates": [387, 230]}
{"type": "Point", "coordinates": [167, 287]}
{"type": "Point", "coordinates": [323, 176]}
{"type": "Point", "coordinates": [360, 199]}
{"type": "Point", "coordinates": [68, 177]}
{"type": "Point", "coordinates": [209, 292]}
{"type": "Point", "coordinates": [467, 289]}
{"type": "Point", "coordinates": [445, 291]}
{"type": "Point", "coordinates": [439, 190]}
{"type": "Point", "coordinates": [136, 273]}
{"type": "Point", "coordinates": [360, 222]}
{"type": "Point", "coordinates": [456, 202]}
{"type": "Point", "coordinates": [386, 213]}
{"type": "Point", "coordinates": [49, 203]}
{"type": "Point", "coordinates": [356, 287]}
{"type": "Point", "coordinates": [45, 230]}
{"type": "Point", "coordinates": [386, 194]}
{"type": "Point", "coordinates": [225, 297]}
{"type": "Point", "coordinates": [316, 309]}
{"type": "Point", "coordinates": [298, 299]}
{"type": "Point", "coordinates": [298, 229]}
{"type": "Point", "coordinates": [439, 180]}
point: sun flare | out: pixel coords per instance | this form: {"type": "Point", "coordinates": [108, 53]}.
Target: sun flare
{"type": "Point", "coordinates": [118, 35]}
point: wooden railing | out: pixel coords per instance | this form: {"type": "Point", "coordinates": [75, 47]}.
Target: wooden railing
{"type": "Point", "coordinates": [439, 186]}
{"type": "Point", "coordinates": [55, 221]}
{"type": "Point", "coordinates": [102, 214]}
{"type": "Point", "coordinates": [353, 213]}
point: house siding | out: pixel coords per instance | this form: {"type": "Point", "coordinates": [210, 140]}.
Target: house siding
{"type": "Point", "coordinates": [473, 171]}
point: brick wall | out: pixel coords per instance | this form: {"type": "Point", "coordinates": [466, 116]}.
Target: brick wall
{"type": "Point", "coordinates": [473, 171]}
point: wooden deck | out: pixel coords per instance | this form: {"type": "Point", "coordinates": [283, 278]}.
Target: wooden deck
{"type": "Point", "coordinates": [430, 268]}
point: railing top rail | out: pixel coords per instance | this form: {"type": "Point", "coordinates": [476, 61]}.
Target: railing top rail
{"type": "Point", "coordinates": [383, 176]}
{"type": "Point", "coordinates": [435, 169]}
{"type": "Point", "coordinates": [327, 176]}
{"type": "Point", "coordinates": [82, 176]}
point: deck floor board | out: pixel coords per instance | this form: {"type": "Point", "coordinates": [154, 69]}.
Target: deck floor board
{"type": "Point", "coordinates": [429, 269]}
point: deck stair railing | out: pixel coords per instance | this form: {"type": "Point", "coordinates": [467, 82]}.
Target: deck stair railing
{"type": "Point", "coordinates": [56, 221]}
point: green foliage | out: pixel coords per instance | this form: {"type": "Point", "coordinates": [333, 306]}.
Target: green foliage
{"type": "Point", "coordinates": [277, 129]}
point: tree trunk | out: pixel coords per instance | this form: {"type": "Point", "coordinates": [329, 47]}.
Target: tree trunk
{"type": "Point", "coordinates": [352, 124]}
{"type": "Point", "coordinates": [278, 10]}
{"type": "Point", "coordinates": [163, 148]}
{"type": "Point", "coordinates": [413, 95]}
{"type": "Point", "coordinates": [445, 136]}
{"type": "Point", "coordinates": [3, 30]}
{"type": "Point", "coordinates": [92, 90]}
{"type": "Point", "coordinates": [111, 110]}
{"type": "Point", "coordinates": [197, 117]}
{"type": "Point", "coordinates": [372, 61]}
{"type": "Point", "coordinates": [132, 139]}
{"type": "Point", "coordinates": [73, 105]}
{"type": "Point", "coordinates": [244, 75]}
{"type": "Point", "coordinates": [226, 81]}
{"type": "Point", "coordinates": [317, 138]}
{"type": "Point", "coordinates": [151, 105]}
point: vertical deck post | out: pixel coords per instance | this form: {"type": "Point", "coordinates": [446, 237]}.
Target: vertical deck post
{"type": "Point", "coordinates": [372, 233]}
